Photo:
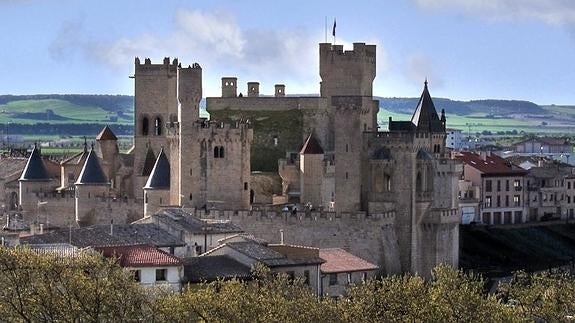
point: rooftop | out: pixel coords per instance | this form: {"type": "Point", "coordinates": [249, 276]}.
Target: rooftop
{"type": "Point", "coordinates": [57, 249]}
{"type": "Point", "coordinates": [92, 172]}
{"type": "Point", "coordinates": [160, 175]}
{"type": "Point", "coordinates": [180, 219]}
{"type": "Point", "coordinates": [277, 255]}
{"type": "Point", "coordinates": [139, 256]}
{"type": "Point", "coordinates": [490, 164]}
{"type": "Point", "coordinates": [210, 268]}
{"type": "Point", "coordinates": [106, 134]}
{"type": "Point", "coordinates": [311, 146]}
{"type": "Point", "coordinates": [99, 235]}
{"type": "Point", "coordinates": [35, 170]}
{"type": "Point", "coordinates": [338, 260]}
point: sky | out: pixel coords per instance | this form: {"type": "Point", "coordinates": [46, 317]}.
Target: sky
{"type": "Point", "coordinates": [467, 49]}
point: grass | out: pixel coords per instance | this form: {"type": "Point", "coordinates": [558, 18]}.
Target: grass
{"type": "Point", "coordinates": [11, 112]}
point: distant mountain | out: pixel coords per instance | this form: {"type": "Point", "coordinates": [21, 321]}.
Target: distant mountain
{"type": "Point", "coordinates": [463, 108]}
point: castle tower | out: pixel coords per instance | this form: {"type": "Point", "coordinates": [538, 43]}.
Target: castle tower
{"type": "Point", "coordinates": [157, 189]}
{"type": "Point", "coordinates": [107, 150]}
{"type": "Point", "coordinates": [33, 182]}
{"type": "Point", "coordinates": [426, 121]}
{"type": "Point", "coordinates": [155, 105]}
{"type": "Point", "coordinates": [348, 152]}
{"type": "Point", "coordinates": [311, 171]}
{"type": "Point", "coordinates": [229, 87]}
{"type": "Point", "coordinates": [186, 150]}
{"type": "Point", "coordinates": [91, 187]}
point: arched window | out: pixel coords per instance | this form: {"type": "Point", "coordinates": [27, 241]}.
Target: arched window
{"type": "Point", "coordinates": [221, 152]}
{"type": "Point", "coordinates": [145, 126]}
{"type": "Point", "coordinates": [387, 182]}
{"type": "Point", "coordinates": [216, 152]}
{"type": "Point", "coordinates": [419, 183]}
{"type": "Point", "coordinates": [158, 126]}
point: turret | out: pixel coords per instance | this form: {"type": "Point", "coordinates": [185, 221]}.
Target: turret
{"type": "Point", "coordinates": [280, 90]}
{"type": "Point", "coordinates": [311, 171]}
{"type": "Point", "coordinates": [107, 150]}
{"type": "Point", "coordinates": [157, 188]}
{"type": "Point", "coordinates": [253, 89]}
{"type": "Point", "coordinates": [229, 87]}
{"type": "Point", "coordinates": [33, 183]}
{"type": "Point", "coordinates": [91, 187]}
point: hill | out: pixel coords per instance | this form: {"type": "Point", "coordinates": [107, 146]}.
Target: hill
{"type": "Point", "coordinates": [479, 115]}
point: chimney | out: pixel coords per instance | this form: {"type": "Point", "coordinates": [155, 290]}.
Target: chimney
{"type": "Point", "coordinates": [483, 155]}
{"type": "Point", "coordinates": [281, 236]}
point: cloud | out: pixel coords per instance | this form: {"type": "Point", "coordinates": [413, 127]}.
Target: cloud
{"type": "Point", "coordinates": [213, 39]}
{"type": "Point", "coordinates": [419, 69]}
{"type": "Point", "coordinates": [557, 12]}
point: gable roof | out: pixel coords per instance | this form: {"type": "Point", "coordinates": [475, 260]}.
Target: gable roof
{"type": "Point", "coordinates": [490, 164]}
{"type": "Point", "coordinates": [338, 260]}
{"type": "Point", "coordinates": [425, 116]}
{"type": "Point", "coordinates": [311, 146]}
{"type": "Point", "coordinates": [139, 256]}
{"type": "Point", "coordinates": [106, 134]}
{"type": "Point", "coordinates": [35, 170]}
{"type": "Point", "coordinates": [92, 173]}
{"type": "Point", "coordinates": [160, 175]}
{"type": "Point", "coordinates": [276, 255]}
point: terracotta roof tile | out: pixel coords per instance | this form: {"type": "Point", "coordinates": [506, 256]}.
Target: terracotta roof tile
{"type": "Point", "coordinates": [491, 165]}
{"type": "Point", "coordinates": [140, 256]}
{"type": "Point", "coordinates": [338, 260]}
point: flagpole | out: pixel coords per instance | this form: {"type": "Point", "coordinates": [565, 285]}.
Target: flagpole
{"type": "Point", "coordinates": [325, 28]}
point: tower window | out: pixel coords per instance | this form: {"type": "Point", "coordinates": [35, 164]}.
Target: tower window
{"type": "Point", "coordinates": [221, 152]}
{"type": "Point", "coordinates": [216, 152]}
{"type": "Point", "coordinates": [158, 126]}
{"type": "Point", "coordinates": [145, 126]}
{"type": "Point", "coordinates": [245, 186]}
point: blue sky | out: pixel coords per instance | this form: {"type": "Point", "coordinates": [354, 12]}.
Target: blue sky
{"type": "Point", "coordinates": [468, 49]}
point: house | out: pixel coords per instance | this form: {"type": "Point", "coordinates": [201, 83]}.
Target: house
{"type": "Point", "coordinates": [547, 189]}
{"type": "Point", "coordinates": [501, 186]}
{"type": "Point", "coordinates": [207, 269]}
{"type": "Point", "coordinates": [199, 235]}
{"type": "Point", "coordinates": [149, 265]}
{"type": "Point", "coordinates": [454, 139]}
{"type": "Point", "coordinates": [544, 145]}
{"type": "Point", "coordinates": [342, 269]}
{"type": "Point", "coordinates": [106, 235]}
{"type": "Point", "coordinates": [295, 261]}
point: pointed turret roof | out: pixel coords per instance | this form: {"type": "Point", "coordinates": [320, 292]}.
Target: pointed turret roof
{"type": "Point", "coordinates": [149, 162]}
{"type": "Point", "coordinates": [35, 169]}
{"type": "Point", "coordinates": [425, 117]}
{"type": "Point", "coordinates": [311, 146]}
{"type": "Point", "coordinates": [160, 175]}
{"type": "Point", "coordinates": [92, 172]}
{"type": "Point", "coordinates": [106, 134]}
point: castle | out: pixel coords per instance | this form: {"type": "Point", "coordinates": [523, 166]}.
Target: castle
{"type": "Point", "coordinates": [387, 196]}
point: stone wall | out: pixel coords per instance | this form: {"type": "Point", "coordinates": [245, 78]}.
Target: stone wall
{"type": "Point", "coordinates": [370, 237]}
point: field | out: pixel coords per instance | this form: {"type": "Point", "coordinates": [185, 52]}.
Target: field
{"type": "Point", "coordinates": [57, 111]}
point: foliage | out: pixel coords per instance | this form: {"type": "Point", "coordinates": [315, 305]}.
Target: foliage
{"type": "Point", "coordinates": [87, 288]}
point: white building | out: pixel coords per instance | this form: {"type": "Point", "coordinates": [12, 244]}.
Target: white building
{"type": "Point", "coordinates": [149, 265]}
{"type": "Point", "coordinates": [454, 139]}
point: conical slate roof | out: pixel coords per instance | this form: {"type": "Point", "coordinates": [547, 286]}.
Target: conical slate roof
{"type": "Point", "coordinates": [425, 117]}
{"type": "Point", "coordinates": [160, 175]}
{"type": "Point", "coordinates": [311, 146]}
{"type": "Point", "coordinates": [35, 169]}
{"type": "Point", "coordinates": [106, 134]}
{"type": "Point", "coordinates": [149, 162]}
{"type": "Point", "coordinates": [92, 172]}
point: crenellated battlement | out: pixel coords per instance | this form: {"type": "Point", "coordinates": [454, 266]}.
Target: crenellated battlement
{"type": "Point", "coordinates": [301, 216]}
{"type": "Point", "coordinates": [148, 66]}
{"type": "Point", "coordinates": [360, 52]}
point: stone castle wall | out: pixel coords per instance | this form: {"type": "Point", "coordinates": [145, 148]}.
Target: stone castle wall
{"type": "Point", "coordinates": [373, 238]}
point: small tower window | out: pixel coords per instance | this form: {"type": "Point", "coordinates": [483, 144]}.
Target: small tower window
{"type": "Point", "coordinates": [221, 152]}
{"type": "Point", "coordinates": [145, 126]}
{"type": "Point", "coordinates": [245, 186]}
{"type": "Point", "coordinates": [275, 141]}
{"type": "Point", "coordinates": [216, 152]}
{"type": "Point", "coordinates": [158, 126]}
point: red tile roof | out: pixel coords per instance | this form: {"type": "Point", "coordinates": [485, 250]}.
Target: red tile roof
{"type": "Point", "coordinates": [338, 260]}
{"type": "Point", "coordinates": [491, 164]}
{"type": "Point", "coordinates": [139, 256]}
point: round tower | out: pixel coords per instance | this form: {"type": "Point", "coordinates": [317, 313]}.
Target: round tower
{"type": "Point", "coordinates": [157, 188]}
{"type": "Point", "coordinates": [33, 183]}
{"type": "Point", "coordinates": [91, 187]}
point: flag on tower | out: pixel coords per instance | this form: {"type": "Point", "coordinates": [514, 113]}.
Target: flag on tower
{"type": "Point", "coordinates": [333, 31]}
